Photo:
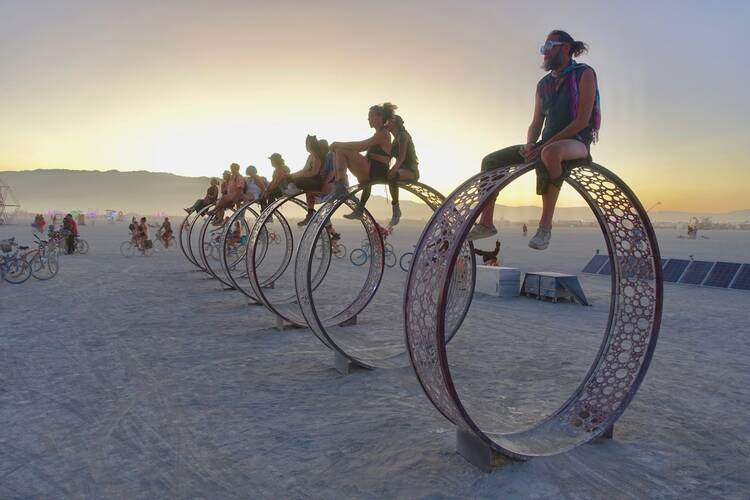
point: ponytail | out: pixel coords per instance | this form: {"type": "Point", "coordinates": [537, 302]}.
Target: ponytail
{"type": "Point", "coordinates": [576, 47]}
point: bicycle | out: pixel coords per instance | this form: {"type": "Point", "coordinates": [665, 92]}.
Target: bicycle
{"type": "Point", "coordinates": [359, 256]}
{"type": "Point", "coordinates": [80, 246]}
{"type": "Point", "coordinates": [161, 244]}
{"type": "Point", "coordinates": [130, 247]}
{"type": "Point", "coordinates": [44, 262]}
{"type": "Point", "coordinates": [338, 249]}
{"type": "Point", "coordinates": [405, 261]}
{"type": "Point", "coordinates": [13, 267]}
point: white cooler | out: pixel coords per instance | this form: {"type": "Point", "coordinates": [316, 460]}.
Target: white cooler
{"type": "Point", "coordinates": [498, 281]}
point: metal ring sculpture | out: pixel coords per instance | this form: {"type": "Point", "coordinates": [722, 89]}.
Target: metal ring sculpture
{"type": "Point", "coordinates": [193, 236]}
{"type": "Point", "coordinates": [218, 247]}
{"type": "Point", "coordinates": [233, 260]}
{"type": "Point", "coordinates": [629, 339]}
{"type": "Point", "coordinates": [185, 226]}
{"type": "Point", "coordinates": [285, 306]}
{"type": "Point", "coordinates": [211, 245]}
{"type": "Point", "coordinates": [461, 283]}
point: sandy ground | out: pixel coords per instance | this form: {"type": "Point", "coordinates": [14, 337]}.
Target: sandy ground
{"type": "Point", "coordinates": [139, 378]}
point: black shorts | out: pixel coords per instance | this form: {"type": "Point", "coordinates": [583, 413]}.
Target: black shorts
{"type": "Point", "coordinates": [309, 184]}
{"type": "Point", "coordinates": [378, 171]}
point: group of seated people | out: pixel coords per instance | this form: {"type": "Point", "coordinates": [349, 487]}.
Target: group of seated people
{"type": "Point", "coordinates": [324, 172]}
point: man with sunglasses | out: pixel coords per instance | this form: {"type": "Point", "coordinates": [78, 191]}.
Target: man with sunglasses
{"type": "Point", "coordinates": [566, 114]}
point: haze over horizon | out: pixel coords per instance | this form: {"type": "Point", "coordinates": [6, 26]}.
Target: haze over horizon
{"type": "Point", "coordinates": [189, 87]}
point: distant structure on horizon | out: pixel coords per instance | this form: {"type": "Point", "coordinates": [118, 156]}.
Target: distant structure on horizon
{"type": "Point", "coordinates": [8, 204]}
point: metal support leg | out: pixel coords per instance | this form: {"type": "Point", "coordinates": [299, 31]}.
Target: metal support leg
{"type": "Point", "coordinates": [478, 453]}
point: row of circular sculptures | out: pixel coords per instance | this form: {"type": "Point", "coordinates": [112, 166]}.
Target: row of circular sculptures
{"type": "Point", "coordinates": [438, 295]}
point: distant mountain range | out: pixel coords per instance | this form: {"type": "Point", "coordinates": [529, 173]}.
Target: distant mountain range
{"type": "Point", "coordinates": [148, 193]}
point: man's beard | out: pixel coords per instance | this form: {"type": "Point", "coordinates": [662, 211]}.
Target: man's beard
{"type": "Point", "coordinates": [553, 63]}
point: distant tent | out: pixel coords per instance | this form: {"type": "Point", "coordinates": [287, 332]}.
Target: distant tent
{"type": "Point", "coordinates": [8, 204]}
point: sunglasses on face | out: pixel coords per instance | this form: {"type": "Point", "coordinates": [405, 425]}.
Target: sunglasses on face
{"type": "Point", "coordinates": [549, 45]}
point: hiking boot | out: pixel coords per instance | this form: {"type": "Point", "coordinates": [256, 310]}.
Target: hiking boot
{"type": "Point", "coordinates": [355, 214]}
{"type": "Point", "coordinates": [540, 241]}
{"type": "Point", "coordinates": [479, 232]}
{"type": "Point", "coordinates": [339, 191]}
{"type": "Point", "coordinates": [396, 216]}
{"type": "Point", "coordinates": [306, 220]}
{"type": "Point", "coordinates": [291, 189]}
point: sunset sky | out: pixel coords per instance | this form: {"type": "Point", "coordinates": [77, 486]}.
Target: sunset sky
{"type": "Point", "coordinates": [191, 86]}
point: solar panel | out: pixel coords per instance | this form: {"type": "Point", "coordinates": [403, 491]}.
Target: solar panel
{"type": "Point", "coordinates": [696, 272]}
{"type": "Point", "coordinates": [606, 268]}
{"type": "Point", "coordinates": [674, 269]}
{"type": "Point", "coordinates": [721, 275]}
{"type": "Point", "coordinates": [596, 263]}
{"type": "Point", "coordinates": [742, 280]}
{"type": "Point", "coordinates": [663, 262]}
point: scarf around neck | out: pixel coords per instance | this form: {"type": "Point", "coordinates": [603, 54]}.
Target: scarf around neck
{"type": "Point", "coordinates": [570, 74]}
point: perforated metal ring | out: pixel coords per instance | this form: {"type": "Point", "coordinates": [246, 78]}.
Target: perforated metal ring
{"type": "Point", "coordinates": [284, 303]}
{"type": "Point", "coordinates": [234, 254]}
{"type": "Point", "coordinates": [629, 338]}
{"type": "Point", "coordinates": [194, 241]}
{"type": "Point", "coordinates": [184, 236]}
{"type": "Point", "coordinates": [462, 282]}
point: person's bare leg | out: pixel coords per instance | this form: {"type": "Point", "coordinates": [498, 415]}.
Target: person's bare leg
{"type": "Point", "coordinates": [549, 201]}
{"type": "Point", "coordinates": [552, 156]}
{"type": "Point", "coordinates": [485, 219]}
{"type": "Point", "coordinates": [355, 163]}
{"type": "Point", "coordinates": [339, 165]}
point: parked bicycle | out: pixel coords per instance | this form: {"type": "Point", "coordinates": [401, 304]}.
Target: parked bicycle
{"type": "Point", "coordinates": [44, 262]}
{"type": "Point", "coordinates": [13, 267]}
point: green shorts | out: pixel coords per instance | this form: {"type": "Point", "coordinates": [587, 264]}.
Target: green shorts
{"type": "Point", "coordinates": [512, 156]}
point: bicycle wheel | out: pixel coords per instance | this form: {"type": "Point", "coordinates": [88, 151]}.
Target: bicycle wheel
{"type": "Point", "coordinates": [358, 257]}
{"type": "Point", "coordinates": [17, 272]}
{"type": "Point", "coordinates": [127, 249]}
{"type": "Point", "coordinates": [339, 251]}
{"type": "Point", "coordinates": [390, 258]}
{"type": "Point", "coordinates": [82, 246]}
{"type": "Point", "coordinates": [405, 261]}
{"type": "Point", "coordinates": [45, 266]}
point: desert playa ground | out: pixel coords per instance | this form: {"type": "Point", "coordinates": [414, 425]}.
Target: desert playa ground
{"type": "Point", "coordinates": [140, 378]}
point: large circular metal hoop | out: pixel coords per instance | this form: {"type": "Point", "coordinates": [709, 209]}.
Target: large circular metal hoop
{"type": "Point", "coordinates": [213, 243]}
{"type": "Point", "coordinates": [236, 270]}
{"type": "Point", "coordinates": [285, 307]}
{"type": "Point", "coordinates": [462, 282]}
{"type": "Point", "coordinates": [216, 263]}
{"type": "Point", "coordinates": [185, 226]}
{"type": "Point", "coordinates": [200, 218]}
{"type": "Point", "coordinates": [629, 338]}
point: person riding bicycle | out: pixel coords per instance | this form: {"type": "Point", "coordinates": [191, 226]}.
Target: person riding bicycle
{"type": "Point", "coordinates": [141, 234]}
{"type": "Point", "coordinates": [236, 235]}
{"type": "Point", "coordinates": [164, 232]}
{"type": "Point", "coordinates": [567, 115]}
